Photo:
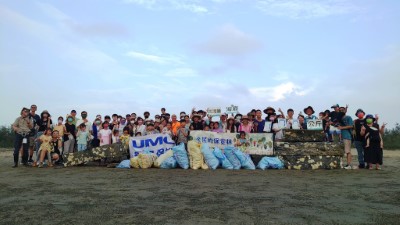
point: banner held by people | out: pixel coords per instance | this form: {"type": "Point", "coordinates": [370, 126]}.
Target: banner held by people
{"type": "Point", "coordinates": [155, 143]}
{"type": "Point", "coordinates": [256, 144]}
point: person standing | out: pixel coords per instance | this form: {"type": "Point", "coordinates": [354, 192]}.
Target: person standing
{"type": "Point", "coordinates": [22, 127]}
{"type": "Point", "coordinates": [33, 135]}
{"type": "Point", "coordinates": [69, 135]}
{"type": "Point", "coordinates": [359, 140]}
{"type": "Point", "coordinates": [260, 122]}
{"type": "Point", "coordinates": [346, 127]}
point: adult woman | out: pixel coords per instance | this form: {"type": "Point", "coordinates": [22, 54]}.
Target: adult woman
{"type": "Point", "coordinates": [245, 126]}
{"type": "Point", "coordinates": [374, 143]}
{"type": "Point", "coordinates": [69, 135]}
{"type": "Point", "coordinates": [231, 128]}
{"type": "Point", "coordinates": [45, 122]}
{"type": "Point", "coordinates": [216, 128]}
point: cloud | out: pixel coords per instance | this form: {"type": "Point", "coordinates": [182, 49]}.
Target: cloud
{"type": "Point", "coordinates": [300, 9]}
{"type": "Point", "coordinates": [105, 29]}
{"type": "Point", "coordinates": [230, 41]}
{"type": "Point", "coordinates": [184, 5]}
{"type": "Point", "coordinates": [279, 92]}
{"type": "Point", "coordinates": [154, 58]}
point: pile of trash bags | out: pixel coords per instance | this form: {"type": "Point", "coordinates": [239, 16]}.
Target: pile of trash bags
{"type": "Point", "coordinates": [200, 156]}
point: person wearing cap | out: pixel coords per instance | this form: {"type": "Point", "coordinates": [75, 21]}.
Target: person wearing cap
{"type": "Point", "coordinates": [346, 128]}
{"type": "Point", "coordinates": [197, 123]}
{"type": "Point", "coordinates": [359, 140]}
{"type": "Point", "coordinates": [85, 121]}
{"type": "Point", "coordinates": [374, 143]}
{"type": "Point", "coordinates": [150, 129]}
{"type": "Point", "coordinates": [22, 127]}
{"type": "Point", "coordinates": [245, 126]}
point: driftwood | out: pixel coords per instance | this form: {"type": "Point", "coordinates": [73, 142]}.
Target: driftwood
{"type": "Point", "coordinates": [113, 152]}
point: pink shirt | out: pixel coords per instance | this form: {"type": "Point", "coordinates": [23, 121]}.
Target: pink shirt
{"type": "Point", "coordinates": [245, 128]}
{"type": "Point", "coordinates": [104, 135]}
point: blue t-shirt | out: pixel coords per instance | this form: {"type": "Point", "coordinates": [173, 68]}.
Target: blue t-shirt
{"type": "Point", "coordinates": [260, 125]}
{"type": "Point", "coordinates": [347, 121]}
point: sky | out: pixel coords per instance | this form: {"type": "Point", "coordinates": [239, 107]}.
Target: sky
{"type": "Point", "coordinates": [124, 56]}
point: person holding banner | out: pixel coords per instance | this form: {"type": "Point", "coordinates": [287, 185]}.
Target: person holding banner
{"type": "Point", "coordinates": [231, 127]}
{"type": "Point", "coordinates": [197, 124]}
{"type": "Point", "coordinates": [245, 126]}
{"type": "Point", "coordinates": [182, 134]}
{"type": "Point", "coordinates": [309, 111]}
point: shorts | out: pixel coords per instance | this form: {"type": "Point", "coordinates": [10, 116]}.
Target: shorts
{"type": "Point", "coordinates": [334, 130]}
{"type": "Point", "coordinates": [347, 146]}
{"type": "Point", "coordinates": [32, 142]}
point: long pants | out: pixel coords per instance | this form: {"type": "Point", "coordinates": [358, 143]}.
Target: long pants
{"type": "Point", "coordinates": [25, 147]}
{"type": "Point", "coordinates": [360, 152]}
{"type": "Point", "coordinates": [69, 146]}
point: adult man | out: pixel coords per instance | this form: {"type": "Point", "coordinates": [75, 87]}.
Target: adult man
{"type": "Point", "coordinates": [73, 114]}
{"type": "Point", "coordinates": [359, 138]}
{"type": "Point", "coordinates": [197, 124]}
{"type": "Point", "coordinates": [22, 127]}
{"type": "Point", "coordinates": [259, 121]}
{"type": "Point", "coordinates": [85, 121]}
{"type": "Point", "coordinates": [175, 124]}
{"type": "Point", "coordinates": [33, 135]}
{"type": "Point", "coordinates": [335, 118]}
{"type": "Point", "coordinates": [163, 113]}
{"type": "Point", "coordinates": [146, 115]}
{"type": "Point", "coordinates": [346, 126]}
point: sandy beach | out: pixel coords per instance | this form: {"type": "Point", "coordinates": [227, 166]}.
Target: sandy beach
{"type": "Point", "coordinates": [100, 195]}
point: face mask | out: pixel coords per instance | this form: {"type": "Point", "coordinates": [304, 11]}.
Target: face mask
{"type": "Point", "coordinates": [98, 122]}
{"type": "Point", "coordinates": [369, 121]}
{"type": "Point", "coordinates": [272, 118]}
{"type": "Point", "coordinates": [132, 122]}
{"type": "Point", "coordinates": [60, 121]}
{"type": "Point", "coordinates": [70, 120]}
{"type": "Point", "coordinates": [84, 116]}
{"type": "Point", "coordinates": [360, 116]}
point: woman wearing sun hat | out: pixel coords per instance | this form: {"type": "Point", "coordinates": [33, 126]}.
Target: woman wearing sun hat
{"type": "Point", "coordinates": [245, 126]}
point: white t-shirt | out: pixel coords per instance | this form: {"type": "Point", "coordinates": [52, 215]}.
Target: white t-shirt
{"type": "Point", "coordinates": [88, 124]}
{"type": "Point", "coordinates": [105, 136]}
{"type": "Point", "coordinates": [279, 134]}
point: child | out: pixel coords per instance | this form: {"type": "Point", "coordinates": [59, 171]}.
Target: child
{"type": "Point", "coordinates": [45, 148]}
{"type": "Point", "coordinates": [125, 137]}
{"type": "Point", "coordinates": [60, 126]}
{"type": "Point", "coordinates": [182, 134]}
{"type": "Point", "coordinates": [206, 128]}
{"type": "Point", "coordinates": [150, 129]}
{"type": "Point", "coordinates": [374, 144]}
{"type": "Point", "coordinates": [115, 136]}
{"type": "Point", "coordinates": [105, 134]}
{"type": "Point", "coordinates": [82, 137]}
{"type": "Point", "coordinates": [242, 142]}
{"type": "Point", "coordinates": [167, 129]}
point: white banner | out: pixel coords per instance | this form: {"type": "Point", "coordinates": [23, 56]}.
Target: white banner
{"type": "Point", "coordinates": [253, 143]}
{"type": "Point", "coordinates": [314, 125]}
{"type": "Point", "coordinates": [155, 143]}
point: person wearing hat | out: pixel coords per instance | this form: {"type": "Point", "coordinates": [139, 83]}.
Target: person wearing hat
{"type": "Point", "coordinates": [269, 110]}
{"type": "Point", "coordinates": [197, 123]}
{"type": "Point", "coordinates": [346, 128]}
{"type": "Point", "coordinates": [22, 127]}
{"type": "Point", "coordinates": [245, 125]}
{"type": "Point", "coordinates": [374, 143]}
{"type": "Point", "coordinates": [358, 138]}
{"type": "Point", "coordinates": [309, 111]}
{"type": "Point", "coordinates": [231, 127]}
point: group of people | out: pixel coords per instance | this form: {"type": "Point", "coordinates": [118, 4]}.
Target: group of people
{"type": "Point", "coordinates": [38, 133]}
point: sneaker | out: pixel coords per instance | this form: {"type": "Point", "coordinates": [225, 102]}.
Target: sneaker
{"type": "Point", "coordinates": [348, 167]}
{"type": "Point", "coordinates": [30, 161]}
{"type": "Point", "coordinates": [40, 165]}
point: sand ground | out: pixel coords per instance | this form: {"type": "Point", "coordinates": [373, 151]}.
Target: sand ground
{"type": "Point", "coordinates": [99, 195]}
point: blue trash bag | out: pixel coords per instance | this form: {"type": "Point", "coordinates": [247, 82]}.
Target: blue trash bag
{"type": "Point", "coordinates": [224, 162]}
{"type": "Point", "coordinates": [181, 156]}
{"type": "Point", "coordinates": [230, 155]}
{"type": "Point", "coordinates": [169, 163]}
{"type": "Point", "coordinates": [275, 163]}
{"type": "Point", "coordinates": [263, 164]}
{"type": "Point", "coordinates": [209, 156]}
{"type": "Point", "coordinates": [124, 164]}
{"type": "Point", "coordinates": [245, 160]}
{"type": "Point", "coordinates": [270, 163]}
